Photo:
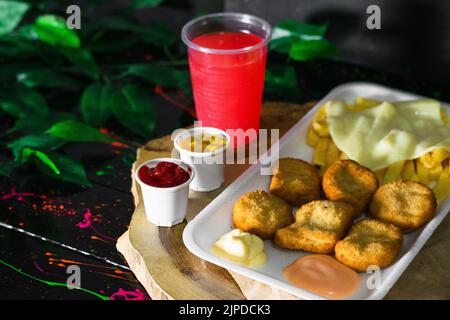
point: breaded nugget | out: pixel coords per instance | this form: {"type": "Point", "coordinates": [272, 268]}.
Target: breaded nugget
{"type": "Point", "coordinates": [406, 204]}
{"type": "Point", "coordinates": [261, 213]}
{"type": "Point", "coordinates": [369, 243]}
{"type": "Point", "coordinates": [319, 225]}
{"type": "Point", "coordinates": [348, 181]}
{"type": "Point", "coordinates": [296, 181]}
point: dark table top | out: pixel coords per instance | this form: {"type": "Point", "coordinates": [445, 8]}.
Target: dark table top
{"type": "Point", "coordinates": [46, 225]}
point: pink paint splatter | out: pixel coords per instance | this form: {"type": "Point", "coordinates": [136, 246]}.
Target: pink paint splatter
{"type": "Point", "coordinates": [45, 272]}
{"type": "Point", "coordinates": [87, 223]}
{"type": "Point", "coordinates": [20, 195]}
{"type": "Point", "coordinates": [128, 295]}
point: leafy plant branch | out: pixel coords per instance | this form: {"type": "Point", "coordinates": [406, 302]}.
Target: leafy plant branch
{"type": "Point", "coordinates": [40, 58]}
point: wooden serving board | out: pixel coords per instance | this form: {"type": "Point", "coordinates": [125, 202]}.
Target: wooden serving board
{"type": "Point", "coordinates": [167, 270]}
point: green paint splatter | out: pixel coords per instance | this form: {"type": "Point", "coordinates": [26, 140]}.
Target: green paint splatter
{"type": "Point", "coordinates": [109, 169]}
{"type": "Point", "coordinates": [27, 152]}
{"type": "Point", "coordinates": [129, 159]}
{"type": "Point", "coordinates": [51, 283]}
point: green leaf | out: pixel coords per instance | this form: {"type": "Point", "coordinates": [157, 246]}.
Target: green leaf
{"type": "Point", "coordinates": [27, 153]}
{"type": "Point", "coordinates": [96, 103]}
{"type": "Point", "coordinates": [138, 4]}
{"type": "Point", "coordinates": [40, 141]}
{"type": "Point", "coordinates": [11, 13]}
{"type": "Point", "coordinates": [12, 108]}
{"type": "Point", "coordinates": [38, 123]}
{"type": "Point", "coordinates": [300, 30]}
{"type": "Point", "coordinates": [282, 45]}
{"type": "Point", "coordinates": [21, 101]}
{"type": "Point", "coordinates": [9, 71]}
{"type": "Point", "coordinates": [83, 59]}
{"type": "Point", "coordinates": [53, 30]}
{"type": "Point", "coordinates": [45, 78]}
{"type": "Point", "coordinates": [153, 73]}
{"type": "Point", "coordinates": [158, 35]}
{"type": "Point", "coordinates": [134, 110]}
{"type": "Point", "coordinates": [308, 50]}
{"type": "Point", "coordinates": [16, 46]}
{"type": "Point", "coordinates": [6, 167]}
{"type": "Point", "coordinates": [71, 130]}
{"type": "Point", "coordinates": [280, 79]}
{"type": "Point", "coordinates": [285, 33]}
{"type": "Point", "coordinates": [24, 45]}
{"type": "Point", "coordinates": [161, 75]}
{"type": "Point", "coordinates": [59, 166]}
{"type": "Point", "coordinates": [116, 43]}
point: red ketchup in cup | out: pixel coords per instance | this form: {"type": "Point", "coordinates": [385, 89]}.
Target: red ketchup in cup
{"type": "Point", "coordinates": [164, 175]}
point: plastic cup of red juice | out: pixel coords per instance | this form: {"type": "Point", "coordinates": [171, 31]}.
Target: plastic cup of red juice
{"type": "Point", "coordinates": [164, 185]}
{"type": "Point", "coordinates": [227, 59]}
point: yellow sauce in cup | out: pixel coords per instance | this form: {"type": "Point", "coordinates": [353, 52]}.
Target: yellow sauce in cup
{"type": "Point", "coordinates": [202, 142]}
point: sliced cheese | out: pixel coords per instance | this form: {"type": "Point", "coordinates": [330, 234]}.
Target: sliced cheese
{"type": "Point", "coordinates": [388, 133]}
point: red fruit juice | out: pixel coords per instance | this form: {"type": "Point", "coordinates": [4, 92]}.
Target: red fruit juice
{"type": "Point", "coordinates": [228, 85]}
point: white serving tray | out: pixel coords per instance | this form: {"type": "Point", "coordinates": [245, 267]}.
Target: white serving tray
{"type": "Point", "coordinates": [216, 219]}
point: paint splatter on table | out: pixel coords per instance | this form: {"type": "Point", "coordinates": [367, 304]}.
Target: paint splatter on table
{"type": "Point", "coordinates": [49, 225]}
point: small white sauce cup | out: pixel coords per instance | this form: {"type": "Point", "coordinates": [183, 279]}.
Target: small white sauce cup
{"type": "Point", "coordinates": [165, 207]}
{"type": "Point", "coordinates": [208, 166]}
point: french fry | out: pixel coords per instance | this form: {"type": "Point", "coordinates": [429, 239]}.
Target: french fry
{"type": "Point", "coordinates": [436, 172]}
{"type": "Point", "coordinates": [434, 158]}
{"type": "Point", "coordinates": [322, 170]}
{"type": "Point", "coordinates": [380, 174]}
{"type": "Point", "coordinates": [439, 155]}
{"type": "Point", "coordinates": [409, 169]}
{"type": "Point", "coordinates": [343, 156]}
{"type": "Point", "coordinates": [312, 138]}
{"type": "Point", "coordinates": [415, 177]}
{"type": "Point", "coordinates": [444, 116]}
{"type": "Point", "coordinates": [422, 172]}
{"type": "Point", "coordinates": [393, 172]}
{"type": "Point", "coordinates": [363, 104]}
{"type": "Point", "coordinates": [442, 188]}
{"type": "Point", "coordinates": [321, 127]}
{"type": "Point", "coordinates": [321, 113]}
{"type": "Point", "coordinates": [321, 151]}
{"type": "Point", "coordinates": [350, 106]}
{"type": "Point", "coordinates": [332, 154]}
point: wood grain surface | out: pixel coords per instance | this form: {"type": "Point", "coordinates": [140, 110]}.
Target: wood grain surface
{"type": "Point", "coordinates": [168, 270]}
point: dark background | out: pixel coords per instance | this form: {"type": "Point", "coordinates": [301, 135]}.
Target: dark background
{"type": "Point", "coordinates": [414, 39]}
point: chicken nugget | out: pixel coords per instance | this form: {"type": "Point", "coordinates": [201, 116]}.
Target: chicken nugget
{"type": "Point", "coordinates": [296, 181]}
{"type": "Point", "coordinates": [348, 181]}
{"type": "Point", "coordinates": [319, 225]}
{"type": "Point", "coordinates": [261, 213]}
{"type": "Point", "coordinates": [369, 243]}
{"type": "Point", "coordinates": [406, 204]}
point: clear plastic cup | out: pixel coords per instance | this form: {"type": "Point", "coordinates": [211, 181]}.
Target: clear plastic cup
{"type": "Point", "coordinates": [227, 83]}
{"type": "Point", "coordinates": [208, 166]}
{"type": "Point", "coordinates": [165, 207]}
